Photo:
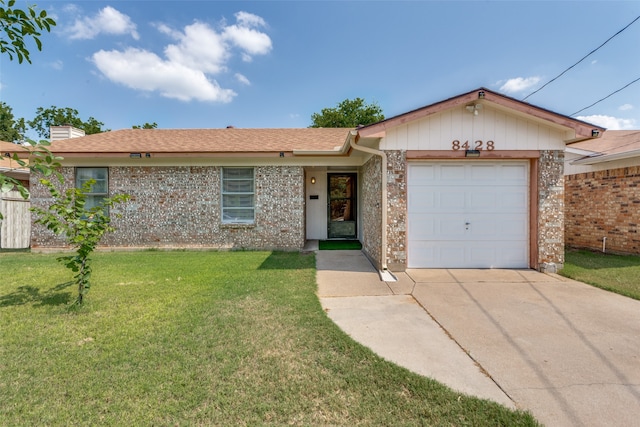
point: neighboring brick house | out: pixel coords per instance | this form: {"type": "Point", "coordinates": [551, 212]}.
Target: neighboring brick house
{"type": "Point", "coordinates": [602, 186]}
{"type": "Point", "coordinates": [474, 181]}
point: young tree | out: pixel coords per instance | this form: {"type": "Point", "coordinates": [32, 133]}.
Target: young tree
{"type": "Point", "coordinates": [83, 228]}
{"type": "Point", "coordinates": [19, 26]}
{"type": "Point", "coordinates": [348, 114]}
{"type": "Point", "coordinates": [54, 116]}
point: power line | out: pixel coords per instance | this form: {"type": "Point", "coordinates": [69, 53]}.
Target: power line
{"type": "Point", "coordinates": [612, 93]}
{"type": "Point", "coordinates": [583, 58]}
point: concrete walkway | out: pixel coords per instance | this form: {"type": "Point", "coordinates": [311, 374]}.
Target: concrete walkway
{"type": "Point", "coordinates": [566, 351]}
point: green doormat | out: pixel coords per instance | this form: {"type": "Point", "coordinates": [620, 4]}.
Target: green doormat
{"type": "Point", "coordinates": [333, 245]}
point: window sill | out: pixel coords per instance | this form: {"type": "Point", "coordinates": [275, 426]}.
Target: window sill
{"type": "Point", "coordinates": [237, 225]}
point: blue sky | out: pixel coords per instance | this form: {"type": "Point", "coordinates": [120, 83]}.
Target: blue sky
{"type": "Point", "coordinates": [210, 64]}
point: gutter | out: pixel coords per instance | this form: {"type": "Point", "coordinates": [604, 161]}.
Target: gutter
{"type": "Point", "coordinates": [385, 274]}
{"type": "Point", "coordinates": [601, 158]}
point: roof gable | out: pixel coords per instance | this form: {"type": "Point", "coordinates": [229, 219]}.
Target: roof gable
{"type": "Point", "coordinates": [577, 129]}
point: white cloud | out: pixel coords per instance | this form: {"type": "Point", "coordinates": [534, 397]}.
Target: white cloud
{"type": "Point", "coordinates": [245, 35]}
{"type": "Point", "coordinates": [519, 84]}
{"type": "Point", "coordinates": [106, 21]}
{"type": "Point", "coordinates": [57, 65]}
{"type": "Point", "coordinates": [146, 71]}
{"type": "Point", "coordinates": [199, 47]}
{"type": "Point", "coordinates": [198, 52]}
{"type": "Point", "coordinates": [609, 122]}
{"type": "Point", "coordinates": [625, 107]}
{"type": "Point", "coordinates": [242, 79]}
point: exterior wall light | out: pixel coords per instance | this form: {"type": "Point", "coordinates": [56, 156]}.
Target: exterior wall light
{"type": "Point", "coordinates": [595, 133]}
{"type": "Point", "coordinates": [313, 179]}
{"type": "Point", "coordinates": [472, 153]}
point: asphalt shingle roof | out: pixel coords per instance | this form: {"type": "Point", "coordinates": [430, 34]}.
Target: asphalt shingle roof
{"type": "Point", "coordinates": [229, 140]}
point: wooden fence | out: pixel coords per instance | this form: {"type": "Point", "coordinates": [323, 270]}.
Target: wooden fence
{"type": "Point", "coordinates": [15, 228]}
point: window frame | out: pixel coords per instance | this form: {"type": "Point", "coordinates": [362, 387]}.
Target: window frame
{"type": "Point", "coordinates": [225, 209]}
{"type": "Point", "coordinates": [94, 198]}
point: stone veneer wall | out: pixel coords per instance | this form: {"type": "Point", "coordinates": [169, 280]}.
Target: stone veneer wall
{"type": "Point", "coordinates": [396, 210]}
{"type": "Point", "coordinates": [604, 204]}
{"type": "Point", "coordinates": [372, 209]}
{"type": "Point", "coordinates": [550, 211]}
{"type": "Point", "coordinates": [179, 207]}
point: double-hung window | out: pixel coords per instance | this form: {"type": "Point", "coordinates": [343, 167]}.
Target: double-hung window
{"type": "Point", "coordinates": [99, 190]}
{"type": "Point", "coordinates": [238, 195]}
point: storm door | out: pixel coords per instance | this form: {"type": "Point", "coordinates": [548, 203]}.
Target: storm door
{"type": "Point", "coordinates": [342, 206]}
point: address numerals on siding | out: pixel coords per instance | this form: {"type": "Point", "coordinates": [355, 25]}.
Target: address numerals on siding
{"type": "Point", "coordinates": [477, 145]}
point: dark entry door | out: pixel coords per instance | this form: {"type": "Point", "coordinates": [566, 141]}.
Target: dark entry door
{"type": "Point", "coordinates": [342, 206]}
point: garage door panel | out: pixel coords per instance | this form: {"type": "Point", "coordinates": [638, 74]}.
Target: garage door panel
{"type": "Point", "coordinates": [424, 174]}
{"type": "Point", "coordinates": [451, 201]}
{"type": "Point", "coordinates": [515, 173]}
{"type": "Point", "coordinates": [423, 226]}
{"type": "Point", "coordinates": [515, 201]}
{"type": "Point", "coordinates": [420, 200]}
{"type": "Point", "coordinates": [483, 200]}
{"type": "Point", "coordinates": [451, 174]}
{"type": "Point", "coordinates": [468, 215]}
{"type": "Point", "coordinates": [483, 173]}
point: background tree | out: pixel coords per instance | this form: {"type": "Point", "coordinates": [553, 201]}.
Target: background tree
{"type": "Point", "coordinates": [18, 26]}
{"type": "Point", "coordinates": [83, 228]}
{"type": "Point", "coordinates": [8, 126]}
{"type": "Point", "coordinates": [349, 113]}
{"type": "Point", "coordinates": [153, 125]}
{"type": "Point", "coordinates": [54, 116]}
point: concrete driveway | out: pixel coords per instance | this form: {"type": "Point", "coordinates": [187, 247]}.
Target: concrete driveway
{"type": "Point", "coordinates": [566, 351]}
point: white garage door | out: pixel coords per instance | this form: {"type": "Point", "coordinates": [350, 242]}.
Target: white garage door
{"type": "Point", "coordinates": [472, 214]}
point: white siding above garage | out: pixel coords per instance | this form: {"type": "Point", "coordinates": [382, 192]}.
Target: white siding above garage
{"type": "Point", "coordinates": [507, 131]}
{"type": "Point", "coordinates": [471, 214]}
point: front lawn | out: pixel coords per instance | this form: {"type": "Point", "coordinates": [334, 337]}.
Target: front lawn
{"type": "Point", "coordinates": [199, 338]}
{"type": "Point", "coordinates": [616, 273]}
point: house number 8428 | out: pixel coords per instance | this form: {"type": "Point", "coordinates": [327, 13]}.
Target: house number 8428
{"type": "Point", "coordinates": [477, 145]}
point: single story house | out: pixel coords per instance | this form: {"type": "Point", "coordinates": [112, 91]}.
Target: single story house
{"type": "Point", "coordinates": [474, 181]}
{"type": "Point", "coordinates": [602, 193]}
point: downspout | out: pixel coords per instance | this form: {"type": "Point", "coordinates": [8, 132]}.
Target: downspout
{"type": "Point", "coordinates": [383, 157]}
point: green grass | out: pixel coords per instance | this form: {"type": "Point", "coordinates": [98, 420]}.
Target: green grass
{"type": "Point", "coordinates": [329, 245]}
{"type": "Point", "coordinates": [615, 273]}
{"type": "Point", "coordinates": [200, 338]}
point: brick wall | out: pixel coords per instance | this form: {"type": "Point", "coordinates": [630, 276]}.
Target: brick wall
{"type": "Point", "coordinates": [604, 204]}
{"type": "Point", "coordinates": [372, 209]}
{"type": "Point", "coordinates": [180, 207]}
{"type": "Point", "coordinates": [551, 211]}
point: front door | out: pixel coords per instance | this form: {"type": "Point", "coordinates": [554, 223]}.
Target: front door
{"type": "Point", "coordinates": [342, 206]}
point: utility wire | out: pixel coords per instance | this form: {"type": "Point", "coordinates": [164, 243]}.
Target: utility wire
{"type": "Point", "coordinates": [583, 58]}
{"type": "Point", "coordinates": [612, 93]}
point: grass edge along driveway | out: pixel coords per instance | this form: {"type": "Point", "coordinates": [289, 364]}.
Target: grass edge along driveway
{"type": "Point", "coordinates": [611, 272]}
{"type": "Point", "coordinates": [200, 338]}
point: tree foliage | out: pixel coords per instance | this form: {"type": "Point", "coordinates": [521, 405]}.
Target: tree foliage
{"type": "Point", "coordinates": [349, 113]}
{"type": "Point", "coordinates": [153, 125]}
{"type": "Point", "coordinates": [83, 228]}
{"type": "Point", "coordinates": [54, 116]}
{"type": "Point", "coordinates": [8, 125]}
{"type": "Point", "coordinates": [19, 26]}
